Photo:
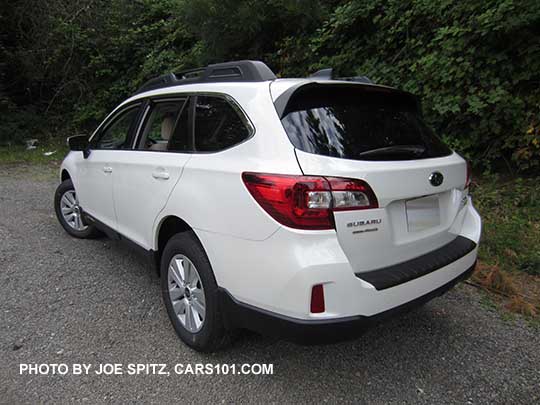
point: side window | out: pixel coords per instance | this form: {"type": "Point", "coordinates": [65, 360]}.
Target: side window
{"type": "Point", "coordinates": [115, 135]}
{"type": "Point", "coordinates": [160, 125]}
{"type": "Point", "coordinates": [218, 125]}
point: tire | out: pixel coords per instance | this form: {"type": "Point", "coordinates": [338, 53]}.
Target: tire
{"type": "Point", "coordinates": [211, 336]}
{"type": "Point", "coordinates": [84, 231]}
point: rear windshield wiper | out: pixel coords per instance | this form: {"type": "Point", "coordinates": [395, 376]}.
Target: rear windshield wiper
{"type": "Point", "coordinates": [412, 150]}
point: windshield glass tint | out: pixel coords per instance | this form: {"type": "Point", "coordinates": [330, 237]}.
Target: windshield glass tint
{"type": "Point", "coordinates": [360, 124]}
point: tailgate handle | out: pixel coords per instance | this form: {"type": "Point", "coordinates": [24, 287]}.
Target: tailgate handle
{"type": "Point", "coordinates": [160, 174]}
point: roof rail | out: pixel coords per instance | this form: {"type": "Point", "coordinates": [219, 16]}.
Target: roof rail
{"type": "Point", "coordinates": [328, 75]}
{"type": "Point", "coordinates": [323, 74]}
{"type": "Point", "coordinates": [237, 71]}
{"type": "Point", "coordinates": [358, 79]}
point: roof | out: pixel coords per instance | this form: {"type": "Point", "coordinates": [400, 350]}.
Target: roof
{"type": "Point", "coordinates": [237, 75]}
{"type": "Point", "coordinates": [236, 71]}
{"type": "Point", "coordinates": [240, 72]}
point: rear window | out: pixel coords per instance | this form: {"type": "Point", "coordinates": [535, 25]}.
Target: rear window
{"type": "Point", "coordinates": [361, 123]}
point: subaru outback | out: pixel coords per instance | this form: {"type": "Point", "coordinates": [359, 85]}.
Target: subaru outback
{"type": "Point", "coordinates": [306, 209]}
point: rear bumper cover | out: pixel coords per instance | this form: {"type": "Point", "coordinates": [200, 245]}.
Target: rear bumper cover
{"type": "Point", "coordinates": [241, 315]}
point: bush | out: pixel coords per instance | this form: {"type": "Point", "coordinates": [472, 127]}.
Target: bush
{"type": "Point", "coordinates": [475, 64]}
{"type": "Point", "coordinates": [18, 124]}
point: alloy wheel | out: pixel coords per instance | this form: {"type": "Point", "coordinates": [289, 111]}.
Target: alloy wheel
{"type": "Point", "coordinates": [186, 292]}
{"type": "Point", "coordinates": [71, 211]}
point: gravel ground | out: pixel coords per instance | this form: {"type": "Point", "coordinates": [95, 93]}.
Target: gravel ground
{"type": "Point", "coordinates": [69, 301]}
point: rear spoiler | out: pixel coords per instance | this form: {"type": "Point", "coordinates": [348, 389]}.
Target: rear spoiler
{"type": "Point", "coordinates": [283, 100]}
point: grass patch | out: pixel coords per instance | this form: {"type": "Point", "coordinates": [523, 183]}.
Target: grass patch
{"type": "Point", "coordinates": [19, 154]}
{"type": "Point", "coordinates": [518, 305]}
{"type": "Point", "coordinates": [509, 254]}
{"type": "Point", "coordinates": [492, 278]}
{"type": "Point", "coordinates": [488, 303]}
{"type": "Point", "coordinates": [510, 211]}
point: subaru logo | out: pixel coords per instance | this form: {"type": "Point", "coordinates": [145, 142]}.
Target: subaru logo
{"type": "Point", "coordinates": [436, 179]}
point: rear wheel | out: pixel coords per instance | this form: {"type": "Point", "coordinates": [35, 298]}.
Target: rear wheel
{"type": "Point", "coordinates": [69, 213]}
{"type": "Point", "coordinates": [190, 294]}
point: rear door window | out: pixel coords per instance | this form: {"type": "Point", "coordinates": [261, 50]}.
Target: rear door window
{"type": "Point", "coordinates": [354, 123]}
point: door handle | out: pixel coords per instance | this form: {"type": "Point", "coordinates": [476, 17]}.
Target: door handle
{"type": "Point", "coordinates": [161, 175]}
{"type": "Point", "coordinates": [107, 169]}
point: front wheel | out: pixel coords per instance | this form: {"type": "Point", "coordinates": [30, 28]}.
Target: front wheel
{"type": "Point", "coordinates": [69, 214]}
{"type": "Point", "coordinates": [190, 294]}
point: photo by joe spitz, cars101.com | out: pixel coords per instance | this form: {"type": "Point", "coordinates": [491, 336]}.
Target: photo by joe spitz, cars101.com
{"type": "Point", "coordinates": [305, 208]}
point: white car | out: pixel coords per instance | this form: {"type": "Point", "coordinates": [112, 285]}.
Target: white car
{"type": "Point", "coordinates": [305, 209]}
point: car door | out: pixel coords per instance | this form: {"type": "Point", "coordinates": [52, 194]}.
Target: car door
{"type": "Point", "coordinates": [146, 175]}
{"type": "Point", "coordinates": [96, 171]}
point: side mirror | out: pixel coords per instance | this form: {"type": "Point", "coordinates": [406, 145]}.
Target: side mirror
{"type": "Point", "coordinates": [79, 143]}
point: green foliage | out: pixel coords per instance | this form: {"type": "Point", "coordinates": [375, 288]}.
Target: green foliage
{"type": "Point", "coordinates": [249, 29]}
{"type": "Point", "coordinates": [475, 64]}
{"type": "Point", "coordinates": [510, 211]}
{"type": "Point", "coordinates": [18, 123]}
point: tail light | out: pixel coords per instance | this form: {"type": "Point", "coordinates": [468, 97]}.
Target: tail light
{"type": "Point", "coordinates": [469, 175]}
{"type": "Point", "coordinates": [308, 202]}
{"type": "Point", "coordinates": [317, 299]}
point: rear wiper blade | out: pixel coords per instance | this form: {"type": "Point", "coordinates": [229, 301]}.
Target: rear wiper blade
{"type": "Point", "coordinates": [415, 150]}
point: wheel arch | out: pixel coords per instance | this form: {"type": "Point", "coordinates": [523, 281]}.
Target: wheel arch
{"type": "Point", "coordinates": [167, 228]}
{"type": "Point", "coordinates": [64, 175]}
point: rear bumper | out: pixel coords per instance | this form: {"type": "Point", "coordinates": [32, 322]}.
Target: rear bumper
{"type": "Point", "coordinates": [400, 273]}
{"type": "Point", "coordinates": [241, 315]}
{"type": "Point", "coordinates": [278, 273]}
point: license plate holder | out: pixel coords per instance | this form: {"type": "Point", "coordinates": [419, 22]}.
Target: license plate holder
{"type": "Point", "coordinates": [423, 213]}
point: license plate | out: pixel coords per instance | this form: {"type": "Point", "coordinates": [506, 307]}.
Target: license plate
{"type": "Point", "coordinates": [423, 213]}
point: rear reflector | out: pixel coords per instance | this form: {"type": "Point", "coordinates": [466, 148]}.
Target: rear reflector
{"type": "Point", "coordinates": [308, 202]}
{"type": "Point", "coordinates": [317, 299]}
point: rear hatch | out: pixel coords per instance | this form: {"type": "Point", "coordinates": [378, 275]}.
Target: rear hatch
{"type": "Point", "coordinates": [376, 134]}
